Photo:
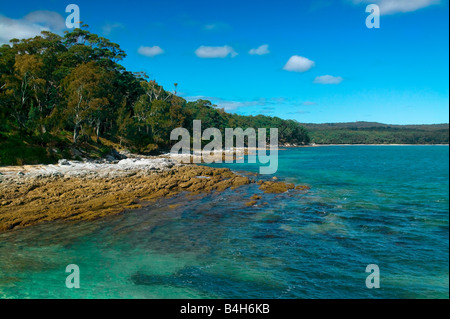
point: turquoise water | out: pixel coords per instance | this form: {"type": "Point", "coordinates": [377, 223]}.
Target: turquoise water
{"type": "Point", "coordinates": [384, 205]}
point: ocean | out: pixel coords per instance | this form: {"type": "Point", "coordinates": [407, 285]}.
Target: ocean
{"type": "Point", "coordinates": [382, 205]}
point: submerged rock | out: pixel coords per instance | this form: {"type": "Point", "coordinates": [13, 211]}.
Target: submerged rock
{"type": "Point", "coordinates": [251, 203]}
{"type": "Point", "coordinates": [199, 279]}
{"type": "Point", "coordinates": [273, 187]}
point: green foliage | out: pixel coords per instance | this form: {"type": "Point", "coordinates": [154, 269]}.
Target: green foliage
{"type": "Point", "coordinates": [377, 133]}
{"type": "Point", "coordinates": [289, 131]}
{"type": "Point", "coordinates": [16, 149]}
{"type": "Point", "coordinates": [52, 85]}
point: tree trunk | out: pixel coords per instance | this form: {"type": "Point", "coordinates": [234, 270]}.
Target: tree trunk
{"type": "Point", "coordinates": [75, 134]}
{"type": "Point", "coordinates": [98, 131]}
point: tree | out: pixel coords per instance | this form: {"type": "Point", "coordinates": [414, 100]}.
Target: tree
{"type": "Point", "coordinates": [23, 86]}
{"type": "Point", "coordinates": [85, 87]}
{"type": "Point", "coordinates": [142, 111]}
{"type": "Point", "coordinates": [160, 121]}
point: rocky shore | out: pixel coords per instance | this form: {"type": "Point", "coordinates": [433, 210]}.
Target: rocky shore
{"type": "Point", "coordinates": [74, 190]}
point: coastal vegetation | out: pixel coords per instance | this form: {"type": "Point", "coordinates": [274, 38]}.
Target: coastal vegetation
{"type": "Point", "coordinates": [69, 96]}
{"type": "Point", "coordinates": [377, 133]}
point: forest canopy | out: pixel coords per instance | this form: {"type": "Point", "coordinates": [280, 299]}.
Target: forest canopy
{"type": "Point", "coordinates": [60, 93]}
{"type": "Point", "coordinates": [377, 133]}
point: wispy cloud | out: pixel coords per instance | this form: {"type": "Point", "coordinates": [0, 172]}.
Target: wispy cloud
{"type": "Point", "coordinates": [230, 105]}
{"type": "Point", "coordinates": [150, 51]}
{"type": "Point", "coordinates": [328, 79]}
{"type": "Point", "coordinates": [299, 112]}
{"type": "Point", "coordinates": [187, 20]}
{"type": "Point", "coordinates": [217, 26]}
{"type": "Point", "coordinates": [397, 6]}
{"type": "Point", "coordinates": [265, 105]}
{"type": "Point", "coordinates": [192, 98]}
{"type": "Point", "coordinates": [278, 99]}
{"type": "Point", "coordinates": [261, 50]}
{"type": "Point", "coordinates": [234, 105]}
{"type": "Point", "coordinates": [215, 52]}
{"type": "Point", "coordinates": [30, 26]}
{"type": "Point", "coordinates": [298, 63]}
{"type": "Point", "coordinates": [267, 110]}
{"type": "Point", "coordinates": [108, 28]}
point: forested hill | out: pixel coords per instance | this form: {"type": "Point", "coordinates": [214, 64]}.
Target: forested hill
{"type": "Point", "coordinates": [68, 96]}
{"type": "Point", "coordinates": [377, 133]}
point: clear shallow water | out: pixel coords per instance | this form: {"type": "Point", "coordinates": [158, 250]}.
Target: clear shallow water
{"type": "Point", "coordinates": [384, 205]}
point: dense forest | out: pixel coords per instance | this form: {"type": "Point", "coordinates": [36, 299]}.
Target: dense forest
{"type": "Point", "coordinates": [377, 133]}
{"type": "Point", "coordinates": [68, 96]}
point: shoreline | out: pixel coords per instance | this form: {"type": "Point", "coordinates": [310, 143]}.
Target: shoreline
{"type": "Point", "coordinates": [324, 145]}
{"type": "Point", "coordinates": [73, 191]}
{"type": "Point", "coordinates": [92, 189]}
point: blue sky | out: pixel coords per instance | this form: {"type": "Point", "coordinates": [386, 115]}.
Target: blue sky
{"type": "Point", "coordinates": [236, 53]}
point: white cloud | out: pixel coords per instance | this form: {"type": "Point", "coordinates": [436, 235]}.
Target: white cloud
{"type": "Point", "coordinates": [393, 6]}
{"type": "Point", "coordinates": [150, 51]}
{"type": "Point", "coordinates": [309, 103]}
{"type": "Point", "coordinates": [328, 79]}
{"type": "Point", "coordinates": [298, 63]}
{"type": "Point", "coordinates": [30, 26]}
{"type": "Point", "coordinates": [49, 19]}
{"type": "Point", "coordinates": [261, 50]}
{"type": "Point", "coordinates": [215, 52]}
{"type": "Point", "coordinates": [396, 6]}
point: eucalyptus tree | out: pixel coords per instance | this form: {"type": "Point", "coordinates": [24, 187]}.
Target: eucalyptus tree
{"type": "Point", "coordinates": [85, 88]}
